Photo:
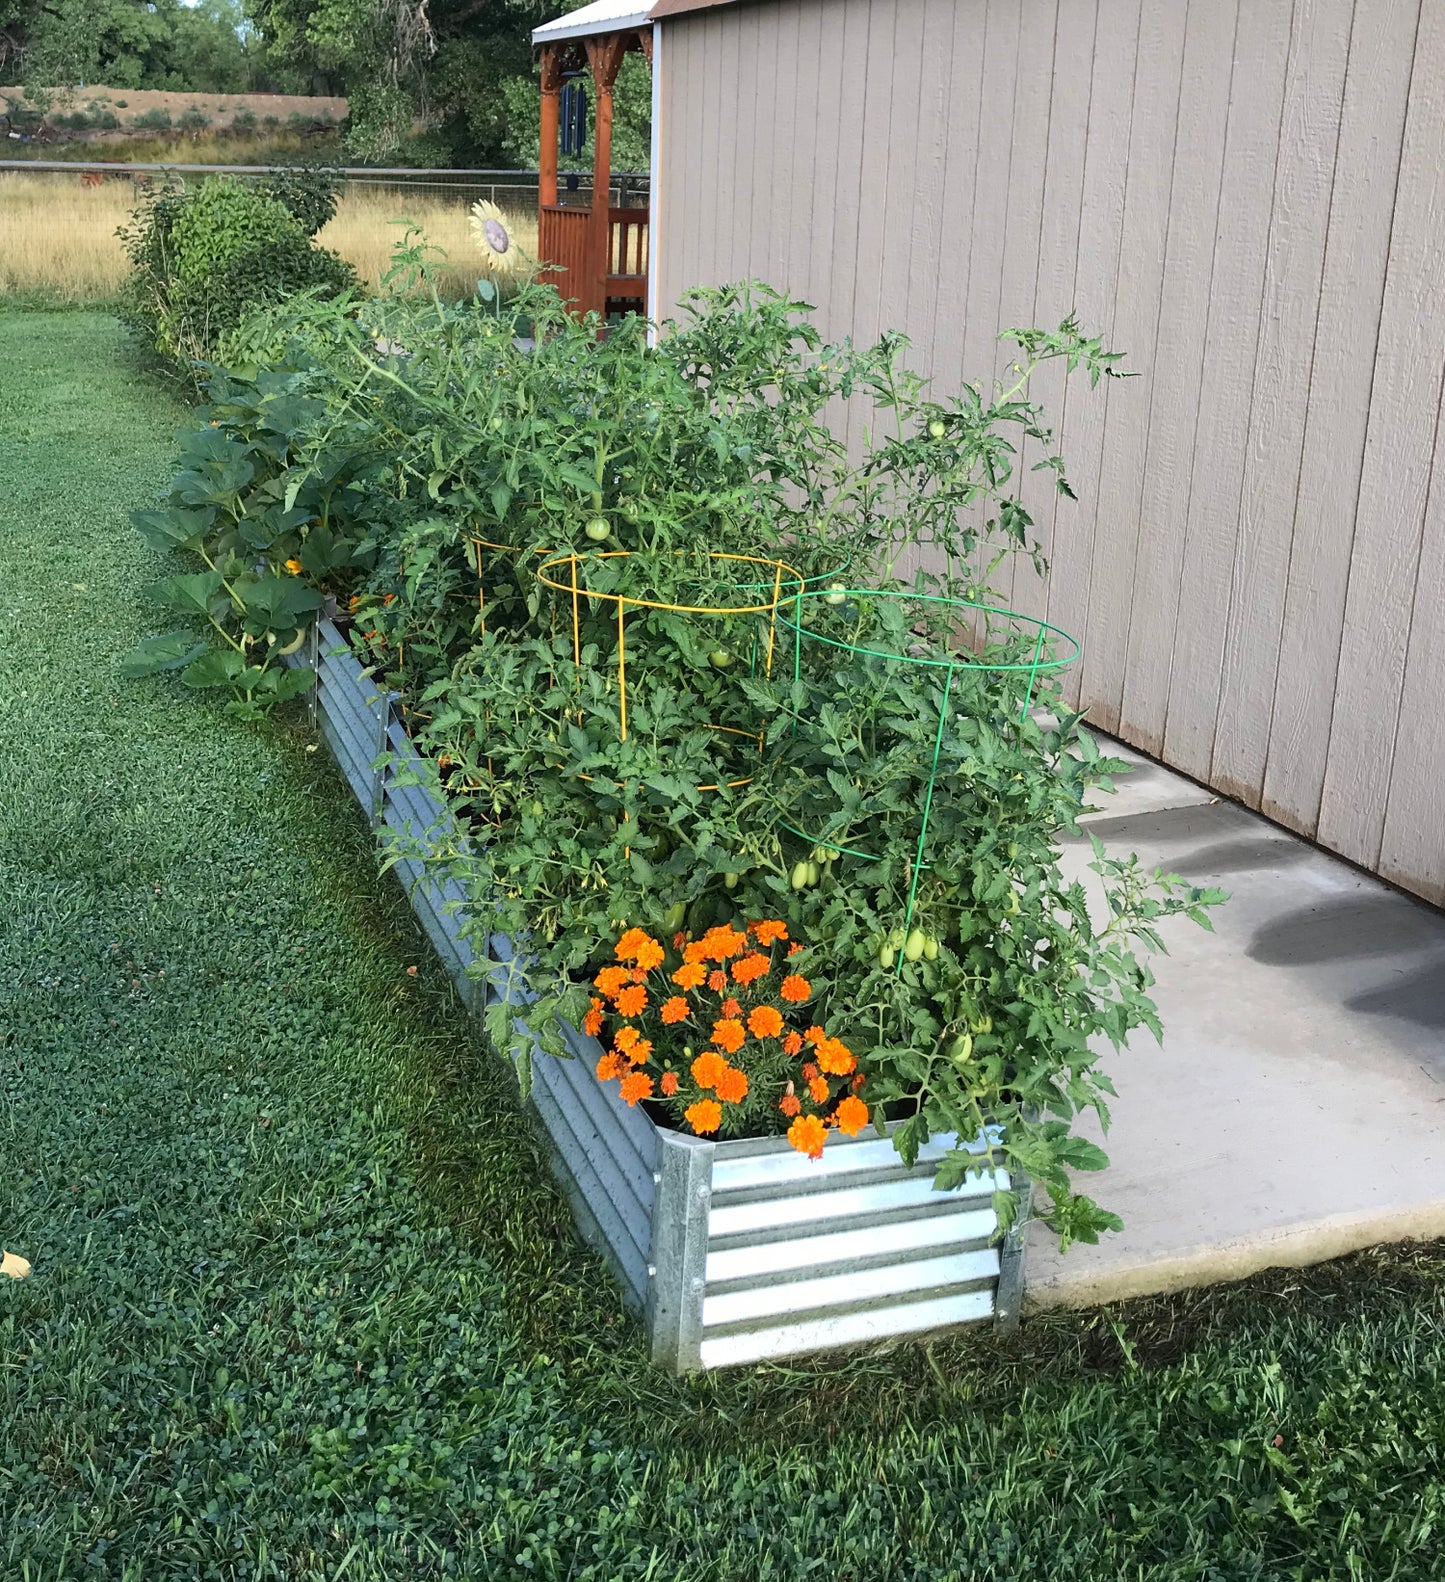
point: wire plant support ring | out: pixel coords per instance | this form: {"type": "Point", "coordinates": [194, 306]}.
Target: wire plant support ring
{"type": "Point", "coordinates": [781, 582]}
{"type": "Point", "coordinates": [1031, 646]}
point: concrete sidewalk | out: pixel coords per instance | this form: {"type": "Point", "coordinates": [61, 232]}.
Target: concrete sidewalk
{"type": "Point", "coordinates": [1297, 1108]}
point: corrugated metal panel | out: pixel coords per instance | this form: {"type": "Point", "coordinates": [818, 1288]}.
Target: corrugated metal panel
{"type": "Point", "coordinates": [856, 1246]}
{"type": "Point", "coordinates": [859, 1245]}
{"type": "Point", "coordinates": [846, 1329]}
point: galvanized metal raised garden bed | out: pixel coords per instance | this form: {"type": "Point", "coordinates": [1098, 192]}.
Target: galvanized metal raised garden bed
{"type": "Point", "coordinates": [731, 1251]}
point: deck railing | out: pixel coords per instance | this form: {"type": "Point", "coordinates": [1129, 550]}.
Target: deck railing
{"type": "Point", "coordinates": [615, 284]}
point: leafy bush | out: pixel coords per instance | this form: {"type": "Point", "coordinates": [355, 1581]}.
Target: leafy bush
{"type": "Point", "coordinates": [154, 120]}
{"type": "Point", "coordinates": [193, 119]}
{"type": "Point", "coordinates": [203, 258]}
{"type": "Point", "coordinates": [776, 749]}
{"type": "Point", "coordinates": [306, 192]}
{"type": "Point", "coordinates": [244, 120]}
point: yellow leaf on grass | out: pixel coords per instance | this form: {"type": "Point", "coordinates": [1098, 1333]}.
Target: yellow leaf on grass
{"type": "Point", "coordinates": [14, 1265]}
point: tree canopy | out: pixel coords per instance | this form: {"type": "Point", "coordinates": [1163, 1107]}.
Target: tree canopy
{"type": "Point", "coordinates": [431, 82]}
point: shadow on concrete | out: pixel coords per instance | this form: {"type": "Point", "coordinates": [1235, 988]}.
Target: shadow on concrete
{"type": "Point", "coordinates": [1347, 929]}
{"type": "Point", "coordinates": [1248, 855]}
{"type": "Point", "coordinates": [1417, 996]}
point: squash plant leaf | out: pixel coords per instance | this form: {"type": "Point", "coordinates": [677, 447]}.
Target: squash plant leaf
{"type": "Point", "coordinates": [170, 652]}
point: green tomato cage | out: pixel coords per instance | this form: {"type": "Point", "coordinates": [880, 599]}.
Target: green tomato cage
{"type": "Point", "coordinates": [1009, 643]}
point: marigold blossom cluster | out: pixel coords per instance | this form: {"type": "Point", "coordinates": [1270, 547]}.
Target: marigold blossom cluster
{"type": "Point", "coordinates": [733, 992]}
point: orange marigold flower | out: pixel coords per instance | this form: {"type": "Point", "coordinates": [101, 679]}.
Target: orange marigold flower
{"type": "Point", "coordinates": [818, 1087]}
{"type": "Point", "coordinates": [633, 942]}
{"type": "Point", "coordinates": [649, 955]}
{"type": "Point", "coordinates": [765, 1022]}
{"type": "Point", "coordinates": [792, 1043]}
{"type": "Point", "coordinates": [668, 1084]}
{"type": "Point", "coordinates": [636, 1085]}
{"type": "Point", "coordinates": [674, 1010]}
{"type": "Point", "coordinates": [796, 988]}
{"type": "Point", "coordinates": [857, 1081]}
{"type": "Point", "coordinates": [694, 950]}
{"type": "Point", "coordinates": [592, 1022]}
{"type": "Point", "coordinates": [728, 1034]}
{"type": "Point", "coordinates": [705, 1116]}
{"type": "Point", "coordinates": [790, 1104]}
{"type": "Point", "coordinates": [723, 942]}
{"type": "Point", "coordinates": [640, 1052]}
{"type": "Point", "coordinates": [637, 975]}
{"type": "Point", "coordinates": [717, 981]}
{"type": "Point", "coordinates": [626, 1037]}
{"type": "Point", "coordinates": [632, 1000]}
{"type": "Point", "coordinates": [808, 1134]}
{"type": "Point", "coordinates": [794, 948]}
{"type": "Point", "coordinates": [609, 1066]}
{"type": "Point", "coordinates": [707, 1068]}
{"type": "Point", "coordinates": [730, 1007]}
{"type": "Point", "coordinates": [611, 979]}
{"type": "Point", "coordinates": [809, 1072]}
{"type": "Point", "coordinates": [732, 1085]}
{"type": "Point", "coordinates": [815, 1034]}
{"type": "Point", "coordinates": [690, 975]}
{"type": "Point", "coordinates": [752, 967]}
{"type": "Point", "coordinates": [851, 1115]}
{"type": "Point", "coordinates": [769, 929]}
{"type": "Point", "coordinates": [835, 1057]}
{"type": "Point", "coordinates": [678, 940]}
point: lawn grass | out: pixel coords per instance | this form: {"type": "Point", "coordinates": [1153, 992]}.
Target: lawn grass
{"type": "Point", "coordinates": [303, 1308]}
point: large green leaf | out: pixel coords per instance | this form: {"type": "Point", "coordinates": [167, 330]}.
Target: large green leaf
{"type": "Point", "coordinates": [170, 652]}
{"type": "Point", "coordinates": [280, 603]}
{"type": "Point", "coordinates": [218, 667]}
{"type": "Point", "coordinates": [324, 551]}
{"type": "Point", "coordinates": [170, 527]}
{"type": "Point", "coordinates": [194, 591]}
{"type": "Point", "coordinates": [214, 483]}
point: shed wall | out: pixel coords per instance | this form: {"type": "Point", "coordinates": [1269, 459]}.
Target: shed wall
{"type": "Point", "coordinates": [1245, 196]}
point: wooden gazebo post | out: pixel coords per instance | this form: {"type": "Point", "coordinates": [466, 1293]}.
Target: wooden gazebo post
{"type": "Point", "coordinates": [551, 117]}
{"type": "Point", "coordinates": [604, 55]}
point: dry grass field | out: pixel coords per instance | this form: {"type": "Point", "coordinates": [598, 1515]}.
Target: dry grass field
{"type": "Point", "coordinates": [58, 241]}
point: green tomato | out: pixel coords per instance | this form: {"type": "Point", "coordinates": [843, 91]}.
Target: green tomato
{"type": "Point", "coordinates": [913, 946]}
{"type": "Point", "coordinates": [799, 876]}
{"type": "Point", "coordinates": [730, 881]}
{"type": "Point", "coordinates": [960, 1051]}
{"type": "Point", "coordinates": [598, 529]}
{"type": "Point", "coordinates": [937, 429]}
{"type": "Point", "coordinates": [886, 957]}
{"type": "Point", "coordinates": [895, 939]}
{"type": "Point", "coordinates": [930, 949]}
{"type": "Point", "coordinates": [814, 873]}
{"type": "Point", "coordinates": [837, 594]}
{"type": "Point", "coordinates": [720, 659]}
{"type": "Point", "coordinates": [674, 917]}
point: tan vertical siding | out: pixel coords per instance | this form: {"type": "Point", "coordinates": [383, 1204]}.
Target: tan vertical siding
{"type": "Point", "coordinates": [1245, 196]}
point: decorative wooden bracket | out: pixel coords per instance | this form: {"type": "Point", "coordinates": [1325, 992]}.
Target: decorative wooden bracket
{"type": "Point", "coordinates": [604, 55]}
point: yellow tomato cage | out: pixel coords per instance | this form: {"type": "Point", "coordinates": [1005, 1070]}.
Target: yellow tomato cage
{"type": "Point", "coordinates": [786, 583]}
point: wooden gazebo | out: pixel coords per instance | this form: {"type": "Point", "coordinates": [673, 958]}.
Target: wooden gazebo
{"type": "Point", "coordinates": [596, 255]}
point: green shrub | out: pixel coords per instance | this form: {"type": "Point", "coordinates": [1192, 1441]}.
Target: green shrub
{"type": "Point", "coordinates": [193, 119]}
{"type": "Point", "coordinates": [244, 120]}
{"type": "Point", "coordinates": [306, 192]}
{"type": "Point", "coordinates": [122, 104]}
{"type": "Point", "coordinates": [202, 259]}
{"type": "Point", "coordinates": [156, 120]}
